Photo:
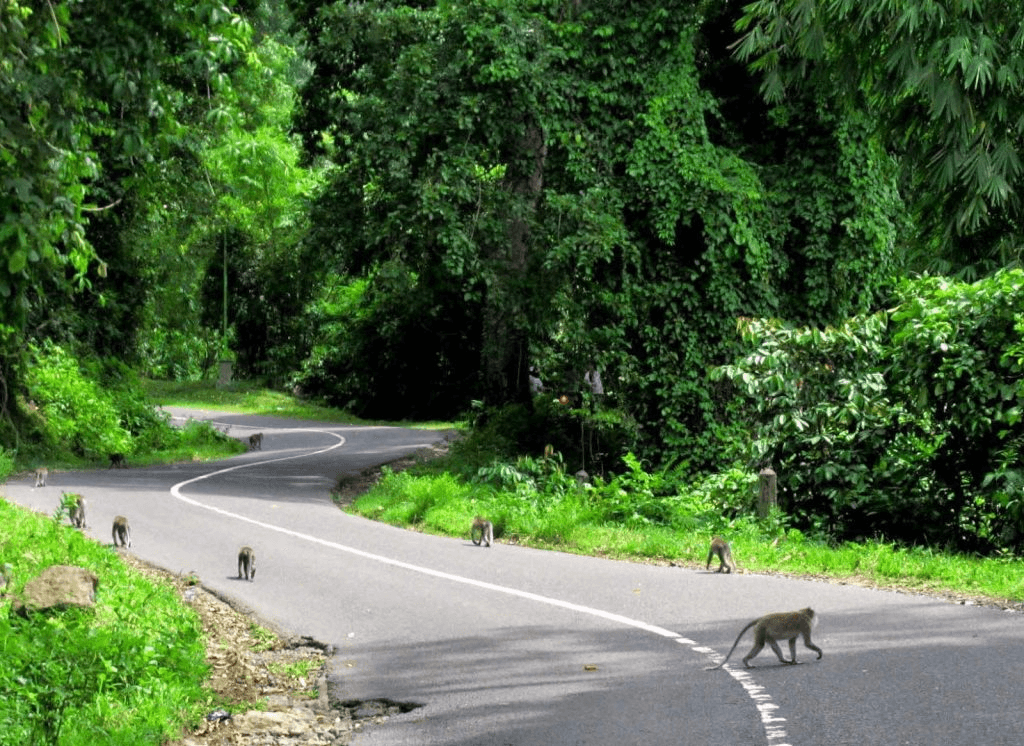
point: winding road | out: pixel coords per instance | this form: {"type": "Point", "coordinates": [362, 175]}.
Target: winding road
{"type": "Point", "coordinates": [515, 646]}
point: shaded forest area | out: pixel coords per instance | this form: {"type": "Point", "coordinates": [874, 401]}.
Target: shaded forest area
{"type": "Point", "coordinates": [782, 233]}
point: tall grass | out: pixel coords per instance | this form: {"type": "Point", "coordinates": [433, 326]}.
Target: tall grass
{"type": "Point", "coordinates": [129, 671]}
{"type": "Point", "coordinates": [611, 520]}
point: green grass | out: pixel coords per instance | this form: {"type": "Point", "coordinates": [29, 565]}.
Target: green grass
{"type": "Point", "coordinates": [440, 504]}
{"type": "Point", "coordinates": [129, 671]}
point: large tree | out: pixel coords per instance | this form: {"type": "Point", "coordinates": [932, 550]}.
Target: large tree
{"type": "Point", "coordinates": [600, 188]}
{"type": "Point", "coordinates": [97, 97]}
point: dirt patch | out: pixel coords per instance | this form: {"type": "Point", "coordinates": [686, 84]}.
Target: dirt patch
{"type": "Point", "coordinates": [273, 688]}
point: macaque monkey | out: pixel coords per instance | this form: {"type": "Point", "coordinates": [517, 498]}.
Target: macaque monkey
{"type": "Point", "coordinates": [773, 627]}
{"type": "Point", "coordinates": [121, 532]}
{"type": "Point", "coordinates": [75, 505]}
{"type": "Point", "coordinates": [246, 563]}
{"type": "Point", "coordinates": [256, 442]}
{"type": "Point", "coordinates": [117, 460]}
{"type": "Point", "coordinates": [41, 474]}
{"type": "Point", "coordinates": [720, 547]}
{"type": "Point", "coordinates": [481, 531]}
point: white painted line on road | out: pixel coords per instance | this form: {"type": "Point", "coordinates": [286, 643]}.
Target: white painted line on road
{"type": "Point", "coordinates": [775, 733]}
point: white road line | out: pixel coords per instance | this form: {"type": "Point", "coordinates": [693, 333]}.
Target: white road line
{"type": "Point", "coordinates": [773, 728]}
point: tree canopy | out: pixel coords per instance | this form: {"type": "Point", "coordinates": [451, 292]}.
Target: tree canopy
{"type": "Point", "coordinates": [601, 189]}
{"type": "Point", "coordinates": [941, 82]}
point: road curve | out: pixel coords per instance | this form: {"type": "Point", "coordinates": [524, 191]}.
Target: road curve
{"type": "Point", "coordinates": [510, 645]}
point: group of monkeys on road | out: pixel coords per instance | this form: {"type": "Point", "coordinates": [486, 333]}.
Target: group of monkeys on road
{"type": "Point", "coordinates": [121, 531]}
{"type": "Point", "coordinates": [770, 629]}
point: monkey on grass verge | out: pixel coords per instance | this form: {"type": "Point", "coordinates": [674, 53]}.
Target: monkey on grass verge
{"type": "Point", "coordinates": [74, 505]}
{"type": "Point", "coordinates": [117, 460]}
{"type": "Point", "coordinates": [41, 474]}
{"type": "Point", "coordinates": [481, 531]}
{"type": "Point", "coordinates": [720, 547]}
{"type": "Point", "coordinates": [246, 563]}
{"type": "Point", "coordinates": [121, 533]}
{"type": "Point", "coordinates": [256, 442]}
{"type": "Point", "coordinates": [773, 627]}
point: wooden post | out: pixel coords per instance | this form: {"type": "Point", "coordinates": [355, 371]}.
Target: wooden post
{"type": "Point", "coordinates": [225, 373]}
{"type": "Point", "coordinates": [767, 498]}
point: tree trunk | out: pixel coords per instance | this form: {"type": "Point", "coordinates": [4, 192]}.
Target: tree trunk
{"type": "Point", "coordinates": [507, 307]}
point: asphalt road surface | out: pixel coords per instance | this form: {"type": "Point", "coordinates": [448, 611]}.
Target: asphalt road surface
{"type": "Point", "coordinates": [515, 646]}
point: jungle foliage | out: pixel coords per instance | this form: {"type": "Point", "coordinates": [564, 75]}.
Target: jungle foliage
{"type": "Point", "coordinates": [572, 188]}
{"type": "Point", "coordinates": [905, 423]}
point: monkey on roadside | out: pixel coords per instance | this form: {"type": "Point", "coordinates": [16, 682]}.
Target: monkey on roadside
{"type": "Point", "coordinates": [41, 474]}
{"type": "Point", "coordinates": [720, 547]}
{"type": "Point", "coordinates": [75, 505]}
{"type": "Point", "coordinates": [117, 460]}
{"type": "Point", "coordinates": [481, 531]}
{"type": "Point", "coordinates": [256, 442]}
{"type": "Point", "coordinates": [121, 532]}
{"type": "Point", "coordinates": [246, 563]}
{"type": "Point", "coordinates": [773, 627]}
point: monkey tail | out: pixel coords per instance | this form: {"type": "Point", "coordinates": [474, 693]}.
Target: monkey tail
{"type": "Point", "coordinates": [733, 648]}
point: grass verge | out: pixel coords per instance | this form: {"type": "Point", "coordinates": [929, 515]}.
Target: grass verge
{"type": "Point", "coordinates": [436, 502]}
{"type": "Point", "coordinates": [128, 671]}
{"type": "Point", "coordinates": [249, 398]}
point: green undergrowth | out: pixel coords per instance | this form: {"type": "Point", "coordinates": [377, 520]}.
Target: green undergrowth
{"type": "Point", "coordinates": [576, 519]}
{"type": "Point", "coordinates": [128, 671]}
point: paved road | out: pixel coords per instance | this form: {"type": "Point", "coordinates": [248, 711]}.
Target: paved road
{"type": "Point", "coordinates": [510, 645]}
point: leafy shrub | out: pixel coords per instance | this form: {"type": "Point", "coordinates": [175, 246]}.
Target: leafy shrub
{"type": "Point", "coordinates": [77, 412]}
{"type": "Point", "coordinates": [905, 424]}
{"type": "Point", "coordinates": [6, 463]}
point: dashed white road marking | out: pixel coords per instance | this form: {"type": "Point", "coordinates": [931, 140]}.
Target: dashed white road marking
{"type": "Point", "coordinates": [768, 710]}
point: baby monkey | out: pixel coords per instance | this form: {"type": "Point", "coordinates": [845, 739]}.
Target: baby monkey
{"type": "Point", "coordinates": [773, 627]}
{"type": "Point", "coordinates": [41, 474]}
{"type": "Point", "coordinates": [720, 547]}
{"type": "Point", "coordinates": [121, 532]}
{"type": "Point", "coordinates": [246, 563]}
{"type": "Point", "coordinates": [256, 442]}
{"type": "Point", "coordinates": [481, 531]}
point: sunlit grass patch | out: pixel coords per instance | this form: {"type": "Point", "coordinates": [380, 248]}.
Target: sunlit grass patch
{"type": "Point", "coordinates": [129, 671]}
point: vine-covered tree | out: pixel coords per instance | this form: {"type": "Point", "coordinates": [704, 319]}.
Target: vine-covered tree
{"type": "Point", "coordinates": [599, 188]}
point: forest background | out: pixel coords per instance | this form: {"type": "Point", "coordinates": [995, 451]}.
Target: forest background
{"type": "Point", "coordinates": [784, 234]}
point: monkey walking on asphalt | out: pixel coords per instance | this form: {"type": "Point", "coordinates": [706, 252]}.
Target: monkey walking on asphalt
{"type": "Point", "coordinates": [482, 530]}
{"type": "Point", "coordinates": [246, 563]}
{"type": "Point", "coordinates": [772, 627]}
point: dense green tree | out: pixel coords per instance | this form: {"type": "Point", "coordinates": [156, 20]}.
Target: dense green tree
{"type": "Point", "coordinates": [96, 98]}
{"type": "Point", "coordinates": [599, 189]}
{"type": "Point", "coordinates": [941, 81]}
{"type": "Point", "coordinates": [904, 423]}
